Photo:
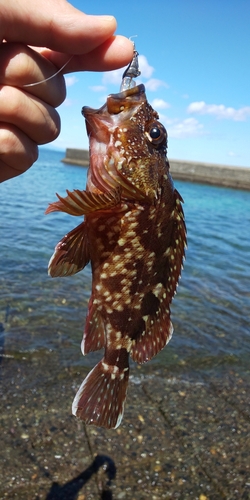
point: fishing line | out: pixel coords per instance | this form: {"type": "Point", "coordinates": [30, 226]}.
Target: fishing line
{"type": "Point", "coordinates": [50, 77]}
{"type": "Point", "coordinates": [57, 72]}
{"type": "Point", "coordinates": [91, 452]}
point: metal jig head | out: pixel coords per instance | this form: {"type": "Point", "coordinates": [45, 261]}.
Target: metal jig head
{"type": "Point", "coordinates": [131, 72]}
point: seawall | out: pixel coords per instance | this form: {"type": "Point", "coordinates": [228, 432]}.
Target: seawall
{"type": "Point", "coordinates": [77, 157]}
{"type": "Point", "coordinates": [205, 173]}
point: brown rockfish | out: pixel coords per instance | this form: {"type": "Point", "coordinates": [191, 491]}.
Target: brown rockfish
{"type": "Point", "coordinates": [134, 235]}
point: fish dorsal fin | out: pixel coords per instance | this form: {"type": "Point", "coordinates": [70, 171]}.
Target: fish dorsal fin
{"type": "Point", "coordinates": [71, 253]}
{"type": "Point", "coordinates": [83, 203]}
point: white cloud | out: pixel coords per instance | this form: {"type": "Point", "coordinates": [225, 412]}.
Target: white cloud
{"type": "Point", "coordinates": [159, 104]}
{"type": "Point", "coordinates": [144, 67]}
{"type": "Point", "coordinates": [153, 84]}
{"type": "Point", "coordinates": [219, 111]}
{"type": "Point", "coordinates": [115, 76]}
{"type": "Point", "coordinates": [232, 154]}
{"type": "Point", "coordinates": [102, 99]}
{"type": "Point", "coordinates": [190, 127]}
{"type": "Point", "coordinates": [68, 102]}
{"type": "Point", "coordinates": [98, 88]}
{"type": "Point", "coordinates": [167, 122]}
{"type": "Point", "coordinates": [70, 80]}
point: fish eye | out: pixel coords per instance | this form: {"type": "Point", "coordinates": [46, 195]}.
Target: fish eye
{"type": "Point", "coordinates": [156, 133]}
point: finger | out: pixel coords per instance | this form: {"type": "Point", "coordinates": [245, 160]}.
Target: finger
{"type": "Point", "coordinates": [20, 65]}
{"type": "Point", "coordinates": [114, 53]}
{"type": "Point", "coordinates": [59, 26]}
{"type": "Point", "coordinates": [17, 152]}
{"type": "Point", "coordinates": [35, 118]}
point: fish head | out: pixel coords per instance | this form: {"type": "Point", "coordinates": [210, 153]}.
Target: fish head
{"type": "Point", "coordinates": [128, 144]}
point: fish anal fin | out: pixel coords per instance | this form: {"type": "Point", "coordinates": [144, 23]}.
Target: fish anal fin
{"type": "Point", "coordinates": [71, 253]}
{"type": "Point", "coordinates": [157, 333]}
{"type": "Point", "coordinates": [84, 202]}
{"type": "Point", "coordinates": [100, 399]}
{"type": "Point", "coordinates": [94, 334]}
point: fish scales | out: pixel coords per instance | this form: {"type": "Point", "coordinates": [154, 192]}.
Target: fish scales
{"type": "Point", "coordinates": [134, 235]}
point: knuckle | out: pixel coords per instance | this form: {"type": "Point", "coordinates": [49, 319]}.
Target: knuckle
{"type": "Point", "coordinates": [35, 118]}
{"type": "Point", "coordinates": [58, 93]}
{"type": "Point", "coordinates": [16, 63]}
{"type": "Point", "coordinates": [9, 141]}
{"type": "Point", "coordinates": [52, 127]}
{"type": "Point", "coordinates": [10, 102]}
{"type": "Point", "coordinates": [30, 156]}
{"type": "Point", "coordinates": [16, 149]}
{"type": "Point", "coordinates": [21, 65]}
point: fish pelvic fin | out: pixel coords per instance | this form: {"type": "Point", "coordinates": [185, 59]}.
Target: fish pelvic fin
{"type": "Point", "coordinates": [71, 253]}
{"type": "Point", "coordinates": [101, 397]}
{"type": "Point", "coordinates": [83, 203]}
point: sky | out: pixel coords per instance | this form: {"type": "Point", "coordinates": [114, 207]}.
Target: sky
{"type": "Point", "coordinates": [195, 64]}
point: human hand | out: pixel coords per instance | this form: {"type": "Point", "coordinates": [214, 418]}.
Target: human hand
{"type": "Point", "coordinates": [27, 114]}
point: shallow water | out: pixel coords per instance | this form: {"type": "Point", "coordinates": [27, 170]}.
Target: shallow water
{"type": "Point", "coordinates": [211, 312]}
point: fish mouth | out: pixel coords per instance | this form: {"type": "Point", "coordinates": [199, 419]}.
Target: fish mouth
{"type": "Point", "coordinates": [123, 101]}
{"type": "Point", "coordinates": [118, 107]}
{"type": "Point", "coordinates": [103, 127]}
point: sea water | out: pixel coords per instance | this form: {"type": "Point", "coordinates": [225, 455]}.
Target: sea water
{"type": "Point", "coordinates": [211, 311]}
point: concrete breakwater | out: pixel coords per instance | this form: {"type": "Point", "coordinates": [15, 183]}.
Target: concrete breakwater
{"type": "Point", "coordinates": [205, 173]}
{"type": "Point", "coordinates": [77, 157]}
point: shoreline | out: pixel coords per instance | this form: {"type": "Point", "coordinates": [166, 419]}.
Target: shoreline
{"type": "Point", "coordinates": [203, 173]}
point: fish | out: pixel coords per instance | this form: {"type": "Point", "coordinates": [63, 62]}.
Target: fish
{"type": "Point", "coordinates": [134, 236]}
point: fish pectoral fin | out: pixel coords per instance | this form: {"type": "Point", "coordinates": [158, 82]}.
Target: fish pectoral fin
{"type": "Point", "coordinates": [101, 397]}
{"type": "Point", "coordinates": [71, 253]}
{"type": "Point", "coordinates": [84, 202]}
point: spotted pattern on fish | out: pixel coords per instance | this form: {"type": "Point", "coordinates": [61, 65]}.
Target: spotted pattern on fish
{"type": "Point", "coordinates": [134, 235]}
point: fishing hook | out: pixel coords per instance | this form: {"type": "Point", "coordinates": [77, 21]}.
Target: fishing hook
{"type": "Point", "coordinates": [132, 71]}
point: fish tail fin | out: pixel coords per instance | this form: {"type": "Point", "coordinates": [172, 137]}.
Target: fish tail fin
{"type": "Point", "coordinates": [101, 397]}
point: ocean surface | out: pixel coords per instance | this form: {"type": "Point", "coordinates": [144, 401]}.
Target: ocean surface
{"type": "Point", "coordinates": [211, 311]}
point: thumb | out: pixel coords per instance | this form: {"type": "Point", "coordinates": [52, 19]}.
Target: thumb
{"type": "Point", "coordinates": [58, 25]}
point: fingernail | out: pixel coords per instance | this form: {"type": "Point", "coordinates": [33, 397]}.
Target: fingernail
{"type": "Point", "coordinates": [107, 18]}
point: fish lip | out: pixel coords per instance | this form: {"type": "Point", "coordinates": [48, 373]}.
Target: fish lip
{"type": "Point", "coordinates": [135, 93]}
{"type": "Point", "coordinates": [114, 101]}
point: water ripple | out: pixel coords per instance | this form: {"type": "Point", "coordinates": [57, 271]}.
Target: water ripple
{"type": "Point", "coordinates": [210, 312]}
